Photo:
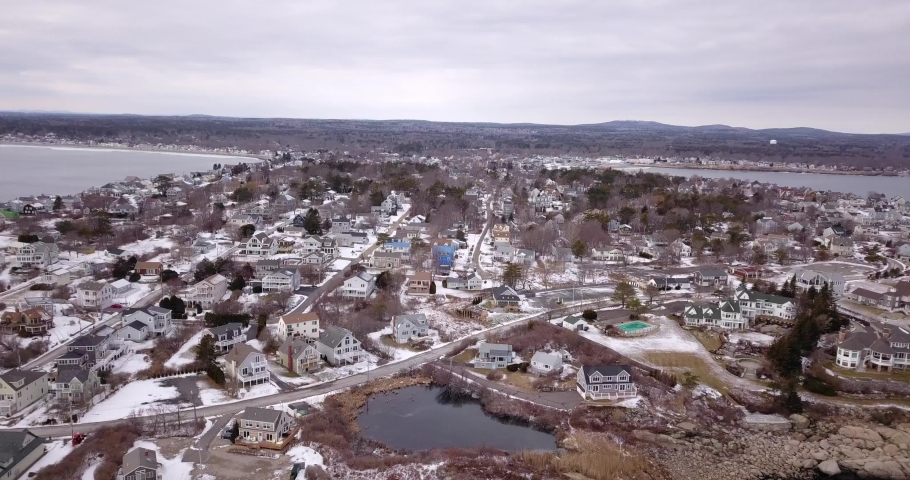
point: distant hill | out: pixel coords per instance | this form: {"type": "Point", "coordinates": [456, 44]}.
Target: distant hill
{"type": "Point", "coordinates": [624, 137]}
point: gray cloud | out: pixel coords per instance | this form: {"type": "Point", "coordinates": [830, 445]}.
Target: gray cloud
{"type": "Point", "coordinates": [837, 64]}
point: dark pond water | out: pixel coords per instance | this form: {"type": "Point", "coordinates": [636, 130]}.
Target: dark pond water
{"type": "Point", "coordinates": [421, 418]}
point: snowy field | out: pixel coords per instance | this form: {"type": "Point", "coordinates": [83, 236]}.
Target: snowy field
{"type": "Point", "coordinates": [65, 328]}
{"type": "Point", "coordinates": [184, 356]}
{"type": "Point", "coordinates": [132, 397]}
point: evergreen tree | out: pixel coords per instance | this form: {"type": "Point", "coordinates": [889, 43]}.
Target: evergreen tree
{"type": "Point", "coordinates": [623, 293]}
{"type": "Point", "coordinates": [511, 274]}
{"type": "Point", "coordinates": [58, 203]}
{"type": "Point", "coordinates": [313, 222]}
{"type": "Point", "coordinates": [206, 351]}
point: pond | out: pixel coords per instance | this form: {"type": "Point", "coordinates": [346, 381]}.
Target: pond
{"type": "Point", "coordinates": [421, 418]}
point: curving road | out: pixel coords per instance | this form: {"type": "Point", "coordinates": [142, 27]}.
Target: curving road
{"type": "Point", "coordinates": [305, 392]}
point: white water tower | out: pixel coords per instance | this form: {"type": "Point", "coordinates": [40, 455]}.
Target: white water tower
{"type": "Point", "coordinates": [773, 142]}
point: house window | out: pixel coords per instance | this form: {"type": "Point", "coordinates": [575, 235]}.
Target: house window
{"type": "Point", "coordinates": [594, 388]}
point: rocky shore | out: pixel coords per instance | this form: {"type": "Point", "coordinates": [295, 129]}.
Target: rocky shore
{"type": "Point", "coordinates": [823, 449]}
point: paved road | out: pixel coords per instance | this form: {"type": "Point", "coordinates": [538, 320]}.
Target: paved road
{"type": "Point", "coordinates": [339, 277]}
{"type": "Point", "coordinates": [486, 229]}
{"type": "Point", "coordinates": [51, 355]}
{"type": "Point", "coordinates": [308, 391]}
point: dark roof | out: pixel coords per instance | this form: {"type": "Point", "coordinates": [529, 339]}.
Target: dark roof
{"type": "Point", "coordinates": [865, 293]}
{"type": "Point", "coordinates": [228, 329]}
{"type": "Point", "coordinates": [258, 414]}
{"type": "Point", "coordinates": [137, 325]}
{"type": "Point", "coordinates": [606, 370]}
{"type": "Point", "coordinates": [15, 445]}
{"type": "Point", "coordinates": [87, 341]}
{"type": "Point", "coordinates": [28, 375]}
{"type": "Point", "coordinates": [332, 336]}
{"type": "Point", "coordinates": [139, 458]}
{"type": "Point", "coordinates": [505, 293]}
{"type": "Point", "coordinates": [858, 341]}
{"type": "Point", "coordinates": [67, 375]}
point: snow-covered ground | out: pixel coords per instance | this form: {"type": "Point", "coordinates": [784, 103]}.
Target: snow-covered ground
{"type": "Point", "coordinates": [214, 396]}
{"type": "Point", "coordinates": [132, 397]}
{"type": "Point", "coordinates": [132, 363]}
{"type": "Point", "coordinates": [302, 454]}
{"type": "Point", "coordinates": [66, 328]}
{"type": "Point", "coordinates": [397, 353]}
{"type": "Point", "coordinates": [333, 373]}
{"type": "Point", "coordinates": [57, 449]}
{"type": "Point", "coordinates": [184, 356]}
{"type": "Point", "coordinates": [753, 337]}
{"type": "Point", "coordinates": [668, 338]}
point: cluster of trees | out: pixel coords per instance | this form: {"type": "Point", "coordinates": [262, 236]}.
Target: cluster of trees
{"type": "Point", "coordinates": [816, 315]}
{"type": "Point", "coordinates": [175, 304]}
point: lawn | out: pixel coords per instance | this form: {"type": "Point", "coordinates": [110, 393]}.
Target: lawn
{"type": "Point", "coordinates": [678, 363]}
{"type": "Point", "coordinates": [521, 381]}
{"type": "Point", "coordinates": [389, 342]}
{"type": "Point", "coordinates": [466, 356]}
{"type": "Point", "coordinates": [708, 339]}
{"type": "Point", "coordinates": [869, 374]}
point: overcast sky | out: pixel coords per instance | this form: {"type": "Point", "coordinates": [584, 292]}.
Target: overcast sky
{"type": "Point", "coordinates": [835, 64]}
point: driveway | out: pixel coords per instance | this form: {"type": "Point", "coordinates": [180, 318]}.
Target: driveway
{"type": "Point", "coordinates": [199, 452]}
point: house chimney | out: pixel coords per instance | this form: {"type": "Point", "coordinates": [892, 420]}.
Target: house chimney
{"type": "Point", "coordinates": [842, 334]}
{"type": "Point", "coordinates": [886, 332]}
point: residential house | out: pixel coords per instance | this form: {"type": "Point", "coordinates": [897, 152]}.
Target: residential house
{"type": "Point", "coordinates": [707, 277]}
{"type": "Point", "coordinates": [240, 220]}
{"type": "Point", "coordinates": [546, 363]}
{"type": "Point", "coordinates": [841, 246]}
{"type": "Point", "coordinates": [102, 347]}
{"type": "Point", "coordinates": [404, 248]}
{"type": "Point", "coordinates": [19, 450]}
{"type": "Point", "coordinates": [359, 286]}
{"type": "Point", "coordinates": [443, 257]}
{"type": "Point", "coordinates": [208, 292]}
{"type": "Point", "coordinates": [121, 287]}
{"type": "Point", "coordinates": [754, 304]}
{"type": "Point", "coordinates": [157, 319]}
{"type": "Point", "coordinates": [227, 335]}
{"type": "Point", "coordinates": [807, 278]}
{"type": "Point", "coordinates": [505, 297]}
{"type": "Point", "coordinates": [32, 321]}
{"type": "Point", "coordinates": [36, 255]}
{"type": "Point", "coordinates": [338, 346]}
{"type": "Point", "coordinates": [888, 300]}
{"type": "Point", "coordinates": [299, 325]}
{"type": "Point", "coordinates": [385, 260]}
{"type": "Point", "coordinates": [95, 295]}
{"type": "Point", "coordinates": [265, 266]}
{"type": "Point", "coordinates": [680, 248]}
{"type": "Point", "coordinates": [882, 346]}
{"type": "Point", "coordinates": [608, 255]}
{"type": "Point", "coordinates": [475, 282]}
{"type": "Point", "coordinates": [342, 224]}
{"type": "Point", "coordinates": [21, 388]}
{"type": "Point", "coordinates": [298, 355]}
{"type": "Point", "coordinates": [134, 331]}
{"type": "Point", "coordinates": [149, 268]}
{"type": "Point", "coordinates": [608, 382]}
{"type": "Point", "coordinates": [260, 244]}
{"type": "Point", "coordinates": [349, 239]}
{"type": "Point", "coordinates": [765, 225]}
{"type": "Point", "coordinates": [501, 233]}
{"type": "Point", "coordinates": [329, 247]}
{"type": "Point", "coordinates": [139, 464]}
{"type": "Point", "coordinates": [284, 280]}
{"type": "Point", "coordinates": [77, 385]}
{"type": "Point", "coordinates": [455, 283]}
{"type": "Point", "coordinates": [493, 355]}
{"type": "Point", "coordinates": [246, 366]}
{"type": "Point", "coordinates": [201, 246]}
{"type": "Point", "coordinates": [310, 244]}
{"type": "Point", "coordinates": [419, 283]}
{"type": "Point", "coordinates": [726, 315]}
{"type": "Point", "coordinates": [670, 283]}
{"type": "Point", "coordinates": [409, 327]}
{"type": "Point", "coordinates": [576, 323]}
{"type": "Point", "coordinates": [258, 425]}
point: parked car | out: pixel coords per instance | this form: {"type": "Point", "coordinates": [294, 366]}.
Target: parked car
{"type": "Point", "coordinates": [117, 306]}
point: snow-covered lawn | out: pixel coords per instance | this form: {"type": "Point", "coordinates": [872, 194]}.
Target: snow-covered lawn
{"type": "Point", "coordinates": [306, 455]}
{"type": "Point", "coordinates": [333, 373]}
{"type": "Point", "coordinates": [89, 473]}
{"type": "Point", "coordinates": [339, 264]}
{"type": "Point", "coordinates": [137, 292]}
{"type": "Point", "coordinates": [66, 328]}
{"type": "Point", "coordinates": [668, 338]}
{"type": "Point", "coordinates": [132, 397]}
{"type": "Point", "coordinates": [287, 377]}
{"type": "Point", "coordinates": [148, 245]}
{"type": "Point", "coordinates": [184, 356]}
{"type": "Point", "coordinates": [132, 363]}
{"type": "Point", "coordinates": [398, 353]}
{"type": "Point", "coordinates": [215, 396]}
{"type": "Point", "coordinates": [57, 449]}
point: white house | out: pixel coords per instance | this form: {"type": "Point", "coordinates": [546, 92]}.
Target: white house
{"type": "Point", "coordinates": [339, 347]}
{"type": "Point", "coordinates": [608, 382]}
{"type": "Point", "coordinates": [37, 255]}
{"type": "Point", "coordinates": [544, 363]}
{"type": "Point", "coordinates": [409, 327]}
{"type": "Point", "coordinates": [807, 278]}
{"type": "Point", "coordinates": [157, 319]}
{"type": "Point", "coordinates": [97, 295]}
{"type": "Point", "coordinates": [359, 286]}
{"type": "Point", "coordinates": [260, 244]}
{"type": "Point", "coordinates": [208, 292]}
{"type": "Point", "coordinates": [284, 280]}
{"type": "Point", "coordinates": [246, 366]}
{"type": "Point", "coordinates": [299, 325]}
